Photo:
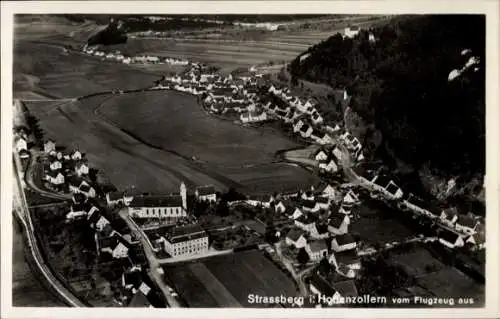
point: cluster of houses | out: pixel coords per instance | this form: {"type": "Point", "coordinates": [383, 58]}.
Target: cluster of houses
{"type": "Point", "coordinates": [143, 59]}
{"type": "Point", "coordinates": [67, 170]}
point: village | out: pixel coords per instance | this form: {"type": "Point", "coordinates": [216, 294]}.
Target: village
{"type": "Point", "coordinates": [301, 230]}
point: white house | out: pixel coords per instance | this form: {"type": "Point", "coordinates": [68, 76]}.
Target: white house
{"type": "Point", "coordinates": [310, 206]}
{"type": "Point", "coordinates": [326, 139]}
{"type": "Point", "coordinates": [323, 202]}
{"type": "Point", "coordinates": [343, 242]}
{"type": "Point", "coordinates": [76, 211]}
{"type": "Point", "coordinates": [351, 32]}
{"type": "Point", "coordinates": [55, 165]}
{"type": "Point", "coordinates": [81, 169]}
{"type": "Point", "coordinates": [316, 250]}
{"type": "Point", "coordinates": [338, 224]}
{"type": "Point", "coordinates": [321, 155]}
{"type": "Point", "coordinates": [329, 192]}
{"type": "Point", "coordinates": [20, 144]}
{"type": "Point", "coordinates": [55, 178]}
{"type": "Point", "coordinates": [49, 146]}
{"type": "Point", "coordinates": [306, 223]}
{"type": "Point", "coordinates": [76, 155]}
{"type": "Point", "coordinates": [297, 126]}
{"type": "Point", "coordinates": [350, 197]}
{"type": "Point", "coordinates": [306, 131]}
{"type": "Point", "coordinates": [329, 166]}
{"type": "Point", "coordinates": [296, 238]}
{"type": "Point", "coordinates": [339, 155]}
{"type": "Point", "coordinates": [115, 247]}
{"type": "Point", "coordinates": [206, 193]}
{"type": "Point", "coordinates": [87, 190]}
{"type": "Point", "coordinates": [296, 213]}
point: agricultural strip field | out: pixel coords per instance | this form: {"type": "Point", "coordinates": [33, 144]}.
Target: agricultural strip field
{"type": "Point", "coordinates": [175, 122]}
{"type": "Point", "coordinates": [225, 281]}
{"type": "Point", "coordinates": [146, 141]}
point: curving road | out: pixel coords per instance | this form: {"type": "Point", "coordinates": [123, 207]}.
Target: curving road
{"type": "Point", "coordinates": [21, 209]}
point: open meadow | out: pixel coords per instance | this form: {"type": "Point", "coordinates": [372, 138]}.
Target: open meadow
{"type": "Point", "coordinates": [146, 141]}
{"type": "Point", "coordinates": [226, 281]}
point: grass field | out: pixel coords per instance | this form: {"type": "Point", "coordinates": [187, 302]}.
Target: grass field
{"type": "Point", "coordinates": [417, 261]}
{"type": "Point", "coordinates": [376, 226]}
{"type": "Point", "coordinates": [226, 281]}
{"type": "Point", "coordinates": [152, 137]}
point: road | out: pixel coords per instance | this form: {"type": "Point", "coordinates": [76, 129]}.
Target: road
{"type": "Point", "coordinates": [21, 209]}
{"type": "Point", "coordinates": [154, 265]}
{"type": "Point", "coordinates": [299, 278]}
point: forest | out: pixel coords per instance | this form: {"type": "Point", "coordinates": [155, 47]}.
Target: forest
{"type": "Point", "coordinates": [398, 81]}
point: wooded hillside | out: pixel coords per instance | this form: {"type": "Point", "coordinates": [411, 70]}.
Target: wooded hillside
{"type": "Point", "coordinates": [399, 82]}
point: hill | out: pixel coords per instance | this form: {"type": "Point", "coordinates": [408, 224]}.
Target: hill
{"type": "Point", "coordinates": [400, 88]}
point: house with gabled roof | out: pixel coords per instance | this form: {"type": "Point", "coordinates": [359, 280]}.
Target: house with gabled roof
{"type": "Point", "coordinates": [206, 193]}
{"type": "Point", "coordinates": [55, 177]}
{"type": "Point", "coordinates": [477, 239]}
{"type": "Point", "coordinates": [81, 168]}
{"type": "Point", "coordinates": [450, 238]}
{"type": "Point", "coordinates": [329, 192]}
{"type": "Point", "coordinates": [310, 206]}
{"type": "Point", "coordinates": [320, 230]}
{"type": "Point", "coordinates": [87, 190]}
{"type": "Point", "coordinates": [316, 249]}
{"type": "Point", "coordinates": [329, 165]}
{"type": "Point", "coordinates": [326, 139]}
{"type": "Point", "coordinates": [338, 224]}
{"type": "Point", "coordinates": [20, 144]}
{"type": "Point", "coordinates": [76, 155]}
{"type": "Point", "coordinates": [346, 260]}
{"type": "Point", "coordinates": [77, 211]}
{"type": "Point", "coordinates": [55, 165]}
{"type": "Point", "coordinates": [115, 246]}
{"type": "Point", "coordinates": [394, 190]}
{"type": "Point", "coordinates": [296, 213]}
{"type": "Point", "coordinates": [296, 237]}
{"type": "Point", "coordinates": [346, 288]}
{"type": "Point", "coordinates": [343, 242]}
{"type": "Point", "coordinates": [316, 118]}
{"type": "Point", "coordinates": [350, 198]}
{"type": "Point", "coordinates": [298, 125]}
{"type": "Point", "coordinates": [449, 215]}
{"type": "Point", "coordinates": [307, 222]}
{"type": "Point", "coordinates": [49, 147]}
{"type": "Point", "coordinates": [305, 131]}
{"type": "Point", "coordinates": [339, 155]}
{"type": "Point", "coordinates": [323, 202]}
{"type": "Point", "coordinates": [98, 221]}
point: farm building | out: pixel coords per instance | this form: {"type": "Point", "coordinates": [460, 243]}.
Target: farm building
{"type": "Point", "coordinates": [206, 193]}
{"type": "Point", "coordinates": [316, 249]}
{"type": "Point", "coordinates": [296, 237]}
{"type": "Point", "coordinates": [338, 224]}
{"type": "Point", "coordinates": [343, 242]}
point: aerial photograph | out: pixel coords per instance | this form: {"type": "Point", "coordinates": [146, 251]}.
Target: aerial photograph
{"type": "Point", "coordinates": [249, 161]}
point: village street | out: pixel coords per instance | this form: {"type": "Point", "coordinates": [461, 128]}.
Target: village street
{"type": "Point", "coordinates": [154, 266]}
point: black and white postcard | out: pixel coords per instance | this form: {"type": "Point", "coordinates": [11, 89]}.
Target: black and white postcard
{"type": "Point", "coordinates": [263, 158]}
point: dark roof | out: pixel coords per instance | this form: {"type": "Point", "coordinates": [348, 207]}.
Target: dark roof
{"type": "Point", "coordinates": [133, 278]}
{"type": "Point", "coordinates": [321, 228]}
{"type": "Point", "coordinates": [205, 190]}
{"type": "Point", "coordinates": [336, 220]}
{"type": "Point", "coordinates": [157, 201]}
{"type": "Point", "coordinates": [84, 188]}
{"type": "Point", "coordinates": [448, 235]}
{"type": "Point", "coordinates": [281, 112]}
{"type": "Point", "coordinates": [139, 300]}
{"type": "Point", "coordinates": [344, 239]}
{"type": "Point", "coordinates": [79, 198]}
{"type": "Point", "coordinates": [224, 91]}
{"type": "Point", "coordinates": [94, 218]}
{"type": "Point", "coordinates": [115, 195]}
{"type": "Point", "coordinates": [183, 233]}
{"type": "Point", "coordinates": [392, 188]}
{"type": "Point", "coordinates": [346, 288]}
{"type": "Point", "coordinates": [322, 285]}
{"type": "Point", "coordinates": [318, 245]}
{"type": "Point", "coordinates": [295, 234]}
{"type": "Point", "coordinates": [308, 203]}
{"type": "Point", "coordinates": [304, 128]}
{"type": "Point", "coordinates": [382, 180]}
{"type": "Point", "coordinates": [322, 199]}
{"type": "Point", "coordinates": [467, 221]}
{"type": "Point", "coordinates": [54, 173]}
{"type": "Point", "coordinates": [80, 207]}
{"type": "Point", "coordinates": [347, 257]}
{"type": "Point", "coordinates": [450, 212]}
{"type": "Point", "coordinates": [307, 219]}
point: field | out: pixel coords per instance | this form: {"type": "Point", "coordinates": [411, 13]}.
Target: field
{"type": "Point", "coordinates": [417, 262]}
{"type": "Point", "coordinates": [153, 135]}
{"type": "Point", "coordinates": [376, 225]}
{"type": "Point", "coordinates": [226, 281]}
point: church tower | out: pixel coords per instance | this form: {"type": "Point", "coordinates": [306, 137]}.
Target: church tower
{"type": "Point", "coordinates": [183, 192]}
